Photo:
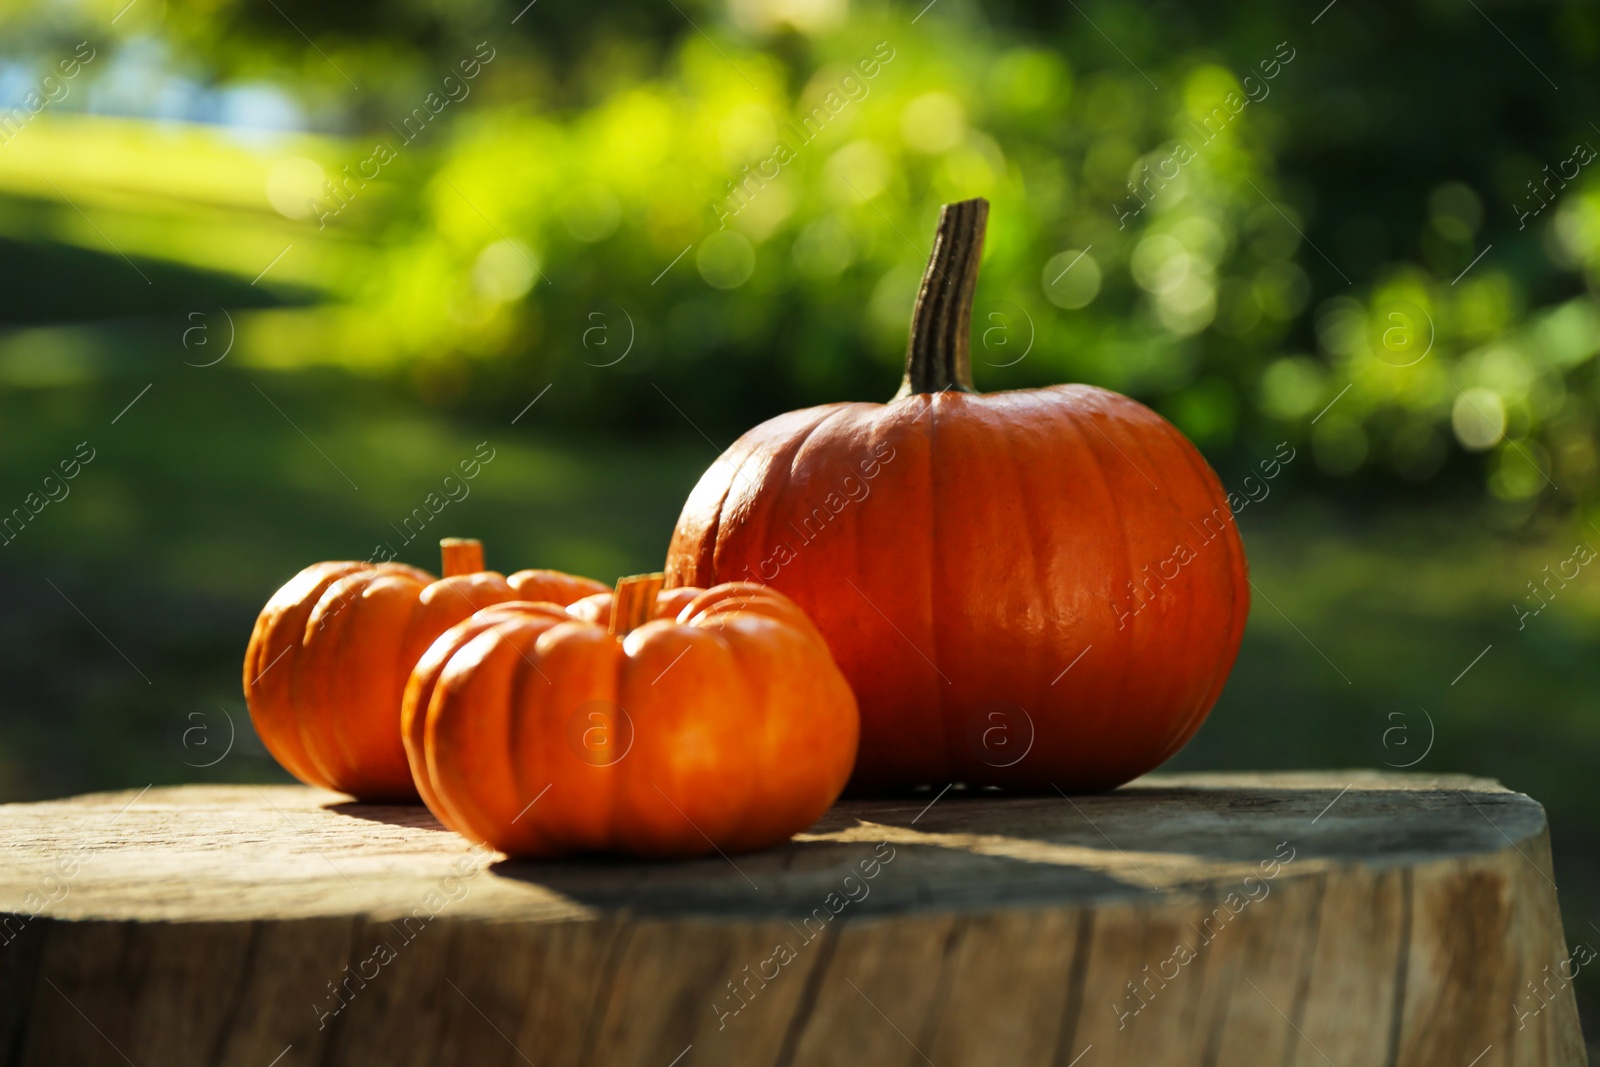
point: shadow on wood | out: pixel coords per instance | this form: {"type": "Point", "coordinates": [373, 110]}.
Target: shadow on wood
{"type": "Point", "coordinates": [1353, 918]}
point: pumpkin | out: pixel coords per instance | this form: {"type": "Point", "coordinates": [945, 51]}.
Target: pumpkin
{"type": "Point", "coordinates": [542, 733]}
{"type": "Point", "coordinates": [668, 603]}
{"type": "Point", "coordinates": [330, 654]}
{"type": "Point", "coordinates": [1033, 588]}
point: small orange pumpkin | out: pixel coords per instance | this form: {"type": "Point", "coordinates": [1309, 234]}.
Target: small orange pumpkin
{"type": "Point", "coordinates": [328, 661]}
{"type": "Point", "coordinates": [541, 733]}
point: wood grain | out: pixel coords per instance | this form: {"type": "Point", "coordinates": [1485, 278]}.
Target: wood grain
{"type": "Point", "coordinates": [1349, 918]}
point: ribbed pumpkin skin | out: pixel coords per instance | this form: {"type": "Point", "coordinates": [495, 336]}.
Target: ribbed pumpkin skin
{"type": "Point", "coordinates": [554, 587]}
{"type": "Point", "coordinates": [594, 608]}
{"type": "Point", "coordinates": [328, 661]}
{"type": "Point", "coordinates": [973, 547]}
{"type": "Point", "coordinates": [738, 732]}
{"type": "Point", "coordinates": [669, 602]}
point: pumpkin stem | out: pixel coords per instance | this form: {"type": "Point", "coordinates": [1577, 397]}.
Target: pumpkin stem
{"type": "Point", "coordinates": [634, 601]}
{"type": "Point", "coordinates": [939, 354]}
{"type": "Point", "coordinates": [462, 555]}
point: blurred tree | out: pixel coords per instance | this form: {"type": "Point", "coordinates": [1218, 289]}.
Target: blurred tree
{"type": "Point", "coordinates": [1375, 233]}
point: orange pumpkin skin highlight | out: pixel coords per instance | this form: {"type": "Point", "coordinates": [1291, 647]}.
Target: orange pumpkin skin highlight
{"type": "Point", "coordinates": [544, 734]}
{"type": "Point", "coordinates": [961, 552]}
{"type": "Point", "coordinates": [668, 603]}
{"type": "Point", "coordinates": [554, 587]}
{"type": "Point", "coordinates": [327, 664]}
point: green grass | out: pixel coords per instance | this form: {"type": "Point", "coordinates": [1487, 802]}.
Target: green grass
{"type": "Point", "coordinates": [127, 604]}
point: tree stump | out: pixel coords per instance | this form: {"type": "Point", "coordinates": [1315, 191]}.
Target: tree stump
{"type": "Point", "coordinates": [1332, 918]}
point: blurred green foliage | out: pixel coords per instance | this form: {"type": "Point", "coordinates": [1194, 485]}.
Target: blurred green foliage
{"type": "Point", "coordinates": [1235, 213]}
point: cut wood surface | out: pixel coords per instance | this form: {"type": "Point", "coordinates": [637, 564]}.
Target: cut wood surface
{"type": "Point", "coordinates": [1345, 918]}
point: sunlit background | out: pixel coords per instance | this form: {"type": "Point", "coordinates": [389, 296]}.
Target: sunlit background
{"type": "Point", "coordinates": [269, 269]}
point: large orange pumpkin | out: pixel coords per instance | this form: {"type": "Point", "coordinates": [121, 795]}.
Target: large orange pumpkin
{"type": "Point", "coordinates": [540, 733]}
{"type": "Point", "coordinates": [328, 661]}
{"type": "Point", "coordinates": [1030, 588]}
